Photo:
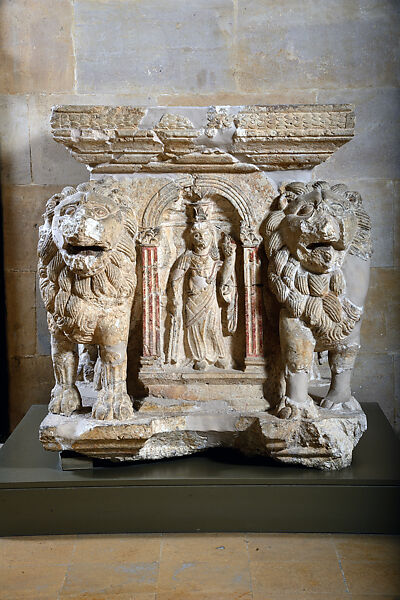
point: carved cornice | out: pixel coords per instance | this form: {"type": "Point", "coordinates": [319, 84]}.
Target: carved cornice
{"type": "Point", "coordinates": [128, 139]}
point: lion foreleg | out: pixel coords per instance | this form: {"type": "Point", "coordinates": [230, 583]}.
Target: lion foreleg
{"type": "Point", "coordinates": [65, 397]}
{"type": "Point", "coordinates": [113, 402]}
{"type": "Point", "coordinates": [297, 346]}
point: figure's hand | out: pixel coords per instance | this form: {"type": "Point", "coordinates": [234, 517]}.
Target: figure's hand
{"type": "Point", "coordinates": [228, 245]}
{"type": "Point", "coordinates": [225, 289]}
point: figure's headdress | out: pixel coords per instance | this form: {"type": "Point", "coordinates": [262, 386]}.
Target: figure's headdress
{"type": "Point", "coordinates": [202, 210]}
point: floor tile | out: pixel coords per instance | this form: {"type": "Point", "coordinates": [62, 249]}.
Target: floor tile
{"type": "Point", "coordinates": [205, 595]}
{"type": "Point", "coordinates": [301, 596]}
{"type": "Point", "coordinates": [110, 579]}
{"type": "Point", "coordinates": [219, 577]}
{"type": "Point", "coordinates": [278, 577]}
{"type": "Point", "coordinates": [372, 577]}
{"type": "Point", "coordinates": [373, 597]}
{"type": "Point", "coordinates": [117, 596]}
{"type": "Point", "coordinates": [384, 548]}
{"type": "Point", "coordinates": [204, 546]}
{"type": "Point", "coordinates": [204, 564]}
{"type": "Point", "coordinates": [39, 551]}
{"type": "Point", "coordinates": [291, 546]}
{"type": "Point", "coordinates": [31, 582]}
{"type": "Point", "coordinates": [118, 549]}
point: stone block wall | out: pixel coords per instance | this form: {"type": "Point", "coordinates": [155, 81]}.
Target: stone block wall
{"type": "Point", "coordinates": [197, 52]}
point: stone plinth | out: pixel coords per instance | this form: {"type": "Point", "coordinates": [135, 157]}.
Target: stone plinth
{"type": "Point", "coordinates": [325, 442]}
{"type": "Point", "coordinates": [236, 389]}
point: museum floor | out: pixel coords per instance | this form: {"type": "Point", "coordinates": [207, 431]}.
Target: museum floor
{"type": "Point", "coordinates": [201, 567]}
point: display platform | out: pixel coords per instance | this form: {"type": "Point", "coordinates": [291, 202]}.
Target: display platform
{"type": "Point", "coordinates": [216, 491]}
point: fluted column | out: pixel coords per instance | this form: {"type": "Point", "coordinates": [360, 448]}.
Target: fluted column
{"type": "Point", "coordinates": [254, 356]}
{"type": "Point", "coordinates": [149, 239]}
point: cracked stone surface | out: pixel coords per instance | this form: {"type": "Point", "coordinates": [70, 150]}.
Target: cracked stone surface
{"type": "Point", "coordinates": [325, 442]}
{"type": "Point", "coordinates": [189, 294]}
{"type": "Point", "coordinates": [219, 139]}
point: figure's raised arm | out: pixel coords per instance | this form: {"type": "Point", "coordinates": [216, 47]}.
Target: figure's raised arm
{"type": "Point", "coordinates": [228, 284]}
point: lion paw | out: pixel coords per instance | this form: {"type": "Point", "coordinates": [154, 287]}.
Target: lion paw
{"type": "Point", "coordinates": [102, 409]}
{"type": "Point", "coordinates": [292, 409]}
{"type": "Point", "coordinates": [111, 405]}
{"type": "Point", "coordinates": [122, 406]}
{"type": "Point", "coordinates": [64, 400]}
{"type": "Point", "coordinates": [286, 410]}
{"type": "Point", "coordinates": [350, 405]}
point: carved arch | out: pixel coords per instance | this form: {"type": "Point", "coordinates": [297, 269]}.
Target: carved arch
{"type": "Point", "coordinates": [168, 193]}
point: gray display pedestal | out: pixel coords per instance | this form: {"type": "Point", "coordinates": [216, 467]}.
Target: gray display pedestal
{"type": "Point", "coordinates": [217, 491]}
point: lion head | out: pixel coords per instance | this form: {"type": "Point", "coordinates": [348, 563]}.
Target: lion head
{"type": "Point", "coordinates": [86, 253]}
{"type": "Point", "coordinates": [308, 237]}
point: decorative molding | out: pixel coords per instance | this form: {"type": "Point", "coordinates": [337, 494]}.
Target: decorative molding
{"type": "Point", "coordinates": [223, 139]}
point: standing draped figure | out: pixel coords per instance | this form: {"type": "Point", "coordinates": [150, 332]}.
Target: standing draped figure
{"type": "Point", "coordinates": [194, 282]}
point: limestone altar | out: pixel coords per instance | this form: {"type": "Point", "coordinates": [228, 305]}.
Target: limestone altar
{"type": "Point", "coordinates": [191, 284]}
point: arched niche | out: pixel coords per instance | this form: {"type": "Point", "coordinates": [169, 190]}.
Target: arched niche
{"type": "Point", "coordinates": [172, 197]}
{"type": "Point", "coordinates": [213, 184]}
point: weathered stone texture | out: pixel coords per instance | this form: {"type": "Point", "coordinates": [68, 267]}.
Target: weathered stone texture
{"type": "Point", "coordinates": [26, 322]}
{"type": "Point", "coordinates": [374, 380]}
{"type": "Point", "coordinates": [381, 327]}
{"type": "Point", "coordinates": [30, 383]}
{"type": "Point", "coordinates": [154, 46]}
{"type": "Point", "coordinates": [396, 223]}
{"type": "Point", "coordinates": [238, 98]}
{"type": "Point", "coordinates": [21, 315]}
{"type": "Point", "coordinates": [329, 43]}
{"type": "Point", "coordinates": [396, 361]}
{"type": "Point", "coordinates": [37, 53]}
{"type": "Point", "coordinates": [219, 139]}
{"type": "Point", "coordinates": [198, 54]}
{"type": "Point", "coordinates": [200, 240]}
{"type": "Point", "coordinates": [325, 442]}
{"type": "Point", "coordinates": [23, 207]}
{"type": "Point", "coordinates": [376, 153]}
{"type": "Point", "coordinates": [383, 222]}
{"type": "Point", "coordinates": [14, 140]}
{"type": "Point", "coordinates": [46, 156]}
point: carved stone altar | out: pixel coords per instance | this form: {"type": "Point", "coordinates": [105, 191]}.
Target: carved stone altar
{"type": "Point", "coordinates": [182, 250]}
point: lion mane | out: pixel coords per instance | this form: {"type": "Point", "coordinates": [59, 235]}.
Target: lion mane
{"type": "Point", "coordinates": [317, 299]}
{"type": "Point", "coordinates": [69, 296]}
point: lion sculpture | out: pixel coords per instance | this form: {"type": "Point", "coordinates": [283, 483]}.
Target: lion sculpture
{"type": "Point", "coordinates": [318, 244]}
{"type": "Point", "coordinates": [87, 270]}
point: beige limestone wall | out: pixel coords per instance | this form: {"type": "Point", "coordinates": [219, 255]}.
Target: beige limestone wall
{"type": "Point", "coordinates": [197, 52]}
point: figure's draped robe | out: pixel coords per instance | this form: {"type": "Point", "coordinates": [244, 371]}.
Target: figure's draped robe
{"type": "Point", "coordinates": [202, 312]}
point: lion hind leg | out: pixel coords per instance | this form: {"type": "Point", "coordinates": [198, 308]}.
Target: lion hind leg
{"type": "Point", "coordinates": [65, 397]}
{"type": "Point", "coordinates": [297, 346]}
{"type": "Point", "coordinates": [341, 362]}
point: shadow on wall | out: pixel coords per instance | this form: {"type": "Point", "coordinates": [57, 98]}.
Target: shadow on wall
{"type": "Point", "coordinates": [4, 420]}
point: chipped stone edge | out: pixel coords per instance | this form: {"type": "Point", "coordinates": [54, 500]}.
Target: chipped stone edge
{"type": "Point", "coordinates": [326, 443]}
{"type": "Point", "coordinates": [225, 139]}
